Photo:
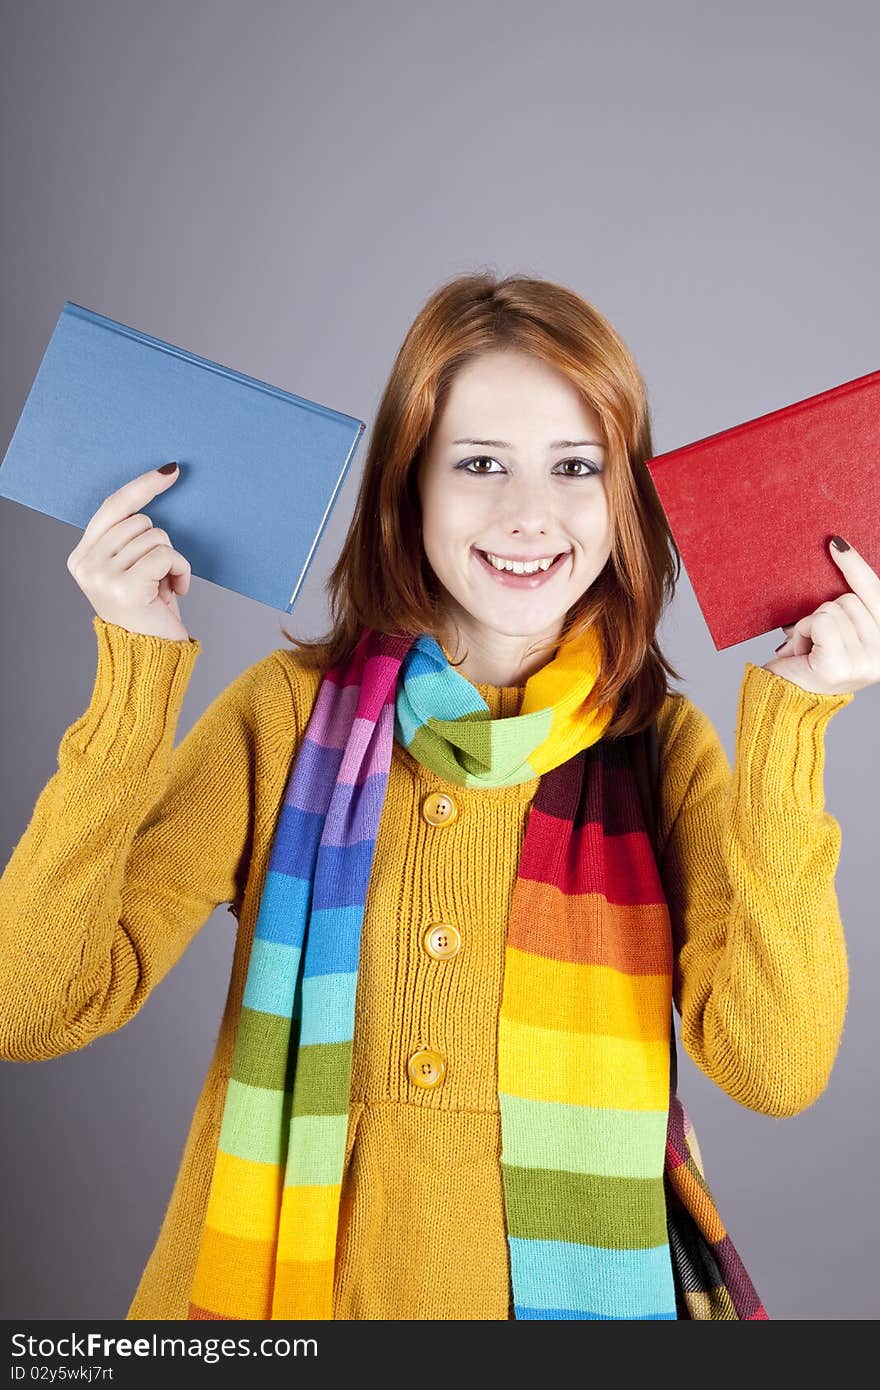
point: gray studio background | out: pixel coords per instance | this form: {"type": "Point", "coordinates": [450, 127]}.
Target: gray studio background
{"type": "Point", "coordinates": [278, 186]}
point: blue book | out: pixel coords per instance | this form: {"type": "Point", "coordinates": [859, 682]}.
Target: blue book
{"type": "Point", "coordinates": [260, 468]}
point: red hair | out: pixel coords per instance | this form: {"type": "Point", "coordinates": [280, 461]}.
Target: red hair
{"type": "Point", "coordinates": [382, 578]}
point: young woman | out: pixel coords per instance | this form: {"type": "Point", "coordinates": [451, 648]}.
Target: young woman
{"type": "Point", "coordinates": [441, 1087]}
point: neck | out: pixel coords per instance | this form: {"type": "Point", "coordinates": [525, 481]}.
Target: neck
{"type": "Point", "coordinates": [509, 663]}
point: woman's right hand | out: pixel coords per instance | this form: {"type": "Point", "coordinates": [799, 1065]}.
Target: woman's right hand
{"type": "Point", "coordinates": [126, 566]}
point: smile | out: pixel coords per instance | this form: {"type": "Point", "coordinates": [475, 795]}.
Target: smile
{"type": "Point", "coordinates": [521, 581]}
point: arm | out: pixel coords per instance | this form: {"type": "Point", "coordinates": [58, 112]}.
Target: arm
{"type": "Point", "coordinates": [748, 861]}
{"type": "Point", "coordinates": [131, 844]}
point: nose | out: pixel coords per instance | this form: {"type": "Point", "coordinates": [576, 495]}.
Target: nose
{"type": "Point", "coordinates": [527, 507]}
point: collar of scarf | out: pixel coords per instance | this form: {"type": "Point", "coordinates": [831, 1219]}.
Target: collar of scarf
{"type": "Point", "coordinates": [584, 1024]}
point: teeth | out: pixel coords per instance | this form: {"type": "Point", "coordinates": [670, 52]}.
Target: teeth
{"type": "Point", "coordinates": [518, 566]}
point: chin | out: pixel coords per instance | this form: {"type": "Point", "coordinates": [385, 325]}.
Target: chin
{"type": "Point", "coordinates": [516, 624]}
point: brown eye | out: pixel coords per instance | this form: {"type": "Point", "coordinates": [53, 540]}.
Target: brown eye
{"type": "Point", "coordinates": [589, 466]}
{"type": "Point", "coordinates": [480, 458]}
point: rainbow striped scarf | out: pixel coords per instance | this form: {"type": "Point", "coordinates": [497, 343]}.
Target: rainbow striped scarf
{"type": "Point", "coordinates": [584, 1024]}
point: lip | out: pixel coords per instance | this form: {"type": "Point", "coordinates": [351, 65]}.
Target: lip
{"type": "Point", "coordinates": [521, 581]}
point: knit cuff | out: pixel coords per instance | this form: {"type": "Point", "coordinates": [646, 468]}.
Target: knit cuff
{"type": "Point", "coordinates": [139, 688]}
{"type": "Point", "coordinates": [782, 727]}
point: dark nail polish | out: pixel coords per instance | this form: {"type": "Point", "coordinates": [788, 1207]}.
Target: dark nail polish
{"type": "Point", "coordinates": [168, 468]}
{"type": "Point", "coordinates": [839, 543]}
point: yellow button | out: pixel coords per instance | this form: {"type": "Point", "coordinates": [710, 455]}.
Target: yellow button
{"type": "Point", "coordinates": [442, 941]}
{"type": "Point", "coordinates": [438, 808]}
{"type": "Point", "coordinates": [427, 1067]}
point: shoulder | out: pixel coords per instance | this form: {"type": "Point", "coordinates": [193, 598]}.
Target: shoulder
{"type": "Point", "coordinates": [686, 735]}
{"type": "Point", "coordinates": [270, 695]}
{"type": "Point", "coordinates": [767, 703]}
{"type": "Point", "coordinates": [694, 769]}
{"type": "Point", "coordinates": [679, 716]}
{"type": "Point", "coordinates": [298, 674]}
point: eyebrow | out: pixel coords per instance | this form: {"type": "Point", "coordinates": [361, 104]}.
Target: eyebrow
{"type": "Point", "coordinates": [557, 443]}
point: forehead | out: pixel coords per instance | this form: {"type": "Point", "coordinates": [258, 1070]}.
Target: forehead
{"type": "Point", "coordinates": [507, 392]}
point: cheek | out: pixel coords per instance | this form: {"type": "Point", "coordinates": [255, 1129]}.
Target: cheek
{"type": "Point", "coordinates": [452, 518]}
{"type": "Point", "coordinates": [592, 515]}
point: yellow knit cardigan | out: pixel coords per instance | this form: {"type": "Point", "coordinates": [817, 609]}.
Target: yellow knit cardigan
{"type": "Point", "coordinates": [133, 843]}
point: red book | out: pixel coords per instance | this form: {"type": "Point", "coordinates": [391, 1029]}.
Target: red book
{"type": "Point", "coordinates": [753, 508]}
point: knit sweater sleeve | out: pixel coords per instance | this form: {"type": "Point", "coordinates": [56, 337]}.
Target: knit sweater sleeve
{"type": "Point", "coordinates": [748, 859]}
{"type": "Point", "coordinates": [131, 845]}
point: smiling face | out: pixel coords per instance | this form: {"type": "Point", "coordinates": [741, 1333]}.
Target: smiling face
{"type": "Point", "coordinates": [515, 468]}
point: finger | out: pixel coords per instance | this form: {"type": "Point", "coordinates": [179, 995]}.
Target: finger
{"type": "Point", "coordinates": [148, 539]}
{"type": "Point", "coordinates": [860, 616]}
{"type": "Point", "coordinates": [131, 497]}
{"type": "Point", "coordinates": [160, 562]}
{"type": "Point", "coordinates": [800, 639]}
{"type": "Point", "coordinates": [119, 536]}
{"type": "Point", "coordinates": [827, 629]}
{"type": "Point", "coordinates": [860, 577]}
{"type": "Point", "coordinates": [847, 635]}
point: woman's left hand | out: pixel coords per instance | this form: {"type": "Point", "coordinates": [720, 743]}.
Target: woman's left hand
{"type": "Point", "coordinates": [836, 649]}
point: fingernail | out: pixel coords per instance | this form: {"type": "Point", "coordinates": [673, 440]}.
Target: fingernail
{"type": "Point", "coordinates": [781, 645]}
{"type": "Point", "coordinates": [839, 543]}
{"type": "Point", "coordinates": [168, 468]}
